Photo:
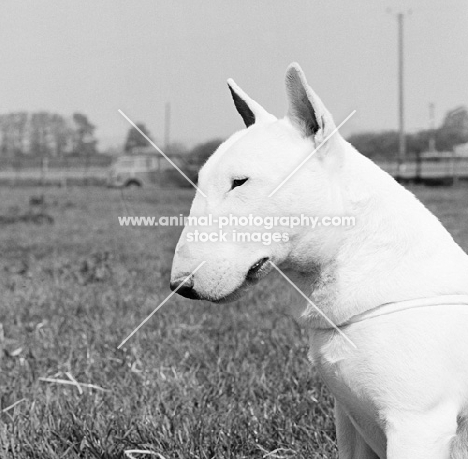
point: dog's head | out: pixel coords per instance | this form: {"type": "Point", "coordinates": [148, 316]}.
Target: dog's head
{"type": "Point", "coordinates": [247, 181]}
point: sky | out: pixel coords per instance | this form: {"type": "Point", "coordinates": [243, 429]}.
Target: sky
{"type": "Point", "coordinates": [98, 56]}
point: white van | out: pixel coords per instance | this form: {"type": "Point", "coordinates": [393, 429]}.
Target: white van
{"type": "Point", "coordinates": [147, 170]}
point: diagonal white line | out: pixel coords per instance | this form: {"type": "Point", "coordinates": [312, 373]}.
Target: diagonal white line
{"type": "Point", "coordinates": [160, 305]}
{"type": "Point", "coordinates": [311, 154]}
{"type": "Point", "coordinates": [160, 151]}
{"type": "Point", "coordinates": [8, 408]}
{"type": "Point", "coordinates": [313, 304]}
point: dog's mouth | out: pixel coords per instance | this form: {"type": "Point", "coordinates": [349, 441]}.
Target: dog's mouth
{"type": "Point", "coordinates": [257, 270]}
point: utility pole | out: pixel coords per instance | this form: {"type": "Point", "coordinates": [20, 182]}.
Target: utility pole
{"type": "Point", "coordinates": [167, 127]}
{"type": "Point", "coordinates": [401, 99]}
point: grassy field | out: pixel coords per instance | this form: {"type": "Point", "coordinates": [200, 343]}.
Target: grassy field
{"type": "Point", "coordinates": [198, 381]}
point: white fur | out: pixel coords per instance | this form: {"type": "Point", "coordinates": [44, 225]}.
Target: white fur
{"type": "Point", "coordinates": [401, 393]}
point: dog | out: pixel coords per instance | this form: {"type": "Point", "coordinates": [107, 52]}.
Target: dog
{"type": "Point", "coordinates": [387, 304]}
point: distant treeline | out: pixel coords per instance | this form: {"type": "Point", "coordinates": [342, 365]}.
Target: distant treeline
{"type": "Point", "coordinates": [384, 145]}
{"type": "Point", "coordinates": [49, 135]}
{"type": "Point", "coordinates": [46, 134]}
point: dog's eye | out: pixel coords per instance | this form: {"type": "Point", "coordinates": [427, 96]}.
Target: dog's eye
{"type": "Point", "coordinates": [238, 182]}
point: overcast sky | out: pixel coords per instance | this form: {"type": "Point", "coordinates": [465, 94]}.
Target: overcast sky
{"type": "Point", "coordinates": [96, 56]}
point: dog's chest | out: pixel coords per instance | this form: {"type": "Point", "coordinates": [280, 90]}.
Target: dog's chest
{"type": "Point", "coordinates": [348, 383]}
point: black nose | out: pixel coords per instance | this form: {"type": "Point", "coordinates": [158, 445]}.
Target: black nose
{"type": "Point", "coordinates": [185, 288]}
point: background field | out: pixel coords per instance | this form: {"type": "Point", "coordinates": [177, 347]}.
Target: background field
{"type": "Point", "coordinates": [198, 381]}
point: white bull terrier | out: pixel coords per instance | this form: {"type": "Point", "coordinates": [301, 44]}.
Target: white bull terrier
{"type": "Point", "coordinates": [395, 283]}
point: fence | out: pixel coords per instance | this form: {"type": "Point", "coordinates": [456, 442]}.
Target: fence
{"type": "Point", "coordinates": [63, 171]}
{"type": "Point", "coordinates": [95, 171]}
{"type": "Point", "coordinates": [430, 170]}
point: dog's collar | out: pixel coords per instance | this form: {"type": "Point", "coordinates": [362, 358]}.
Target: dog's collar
{"type": "Point", "coordinates": [398, 306]}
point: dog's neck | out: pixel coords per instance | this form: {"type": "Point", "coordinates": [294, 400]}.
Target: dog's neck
{"type": "Point", "coordinates": [396, 251]}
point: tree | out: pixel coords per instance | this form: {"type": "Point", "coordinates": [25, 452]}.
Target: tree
{"type": "Point", "coordinates": [376, 145]}
{"type": "Point", "coordinates": [454, 129]}
{"type": "Point", "coordinates": [45, 134]}
{"type": "Point", "coordinates": [201, 152]}
{"type": "Point", "coordinates": [84, 140]}
{"type": "Point", "coordinates": [135, 139]}
{"type": "Point", "coordinates": [39, 140]}
{"type": "Point", "coordinates": [6, 147]}
{"type": "Point", "coordinates": [61, 134]}
{"type": "Point", "coordinates": [20, 132]}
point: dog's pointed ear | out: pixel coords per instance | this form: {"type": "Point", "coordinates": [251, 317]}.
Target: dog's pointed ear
{"type": "Point", "coordinates": [306, 110]}
{"type": "Point", "coordinates": [250, 110]}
